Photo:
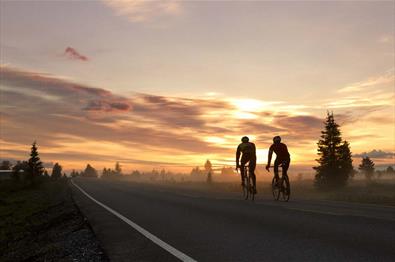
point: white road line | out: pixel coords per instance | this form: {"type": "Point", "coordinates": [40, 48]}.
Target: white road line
{"type": "Point", "coordinates": [156, 240]}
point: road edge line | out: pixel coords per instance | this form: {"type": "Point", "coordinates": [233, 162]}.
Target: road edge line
{"type": "Point", "coordinates": [172, 250]}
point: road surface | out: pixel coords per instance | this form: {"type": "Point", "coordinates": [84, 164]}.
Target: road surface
{"type": "Point", "coordinates": [223, 227]}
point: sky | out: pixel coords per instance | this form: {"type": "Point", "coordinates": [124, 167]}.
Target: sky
{"type": "Point", "coordinates": [169, 84]}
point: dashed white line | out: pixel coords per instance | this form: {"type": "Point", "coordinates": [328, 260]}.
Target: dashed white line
{"type": "Point", "coordinates": [175, 252]}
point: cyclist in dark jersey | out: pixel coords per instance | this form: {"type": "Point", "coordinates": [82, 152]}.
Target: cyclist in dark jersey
{"type": "Point", "coordinates": [249, 156]}
{"type": "Point", "coordinates": [282, 156]}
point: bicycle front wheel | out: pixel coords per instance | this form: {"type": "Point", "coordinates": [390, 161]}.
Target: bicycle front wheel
{"type": "Point", "coordinates": [275, 189]}
{"type": "Point", "coordinates": [286, 189]}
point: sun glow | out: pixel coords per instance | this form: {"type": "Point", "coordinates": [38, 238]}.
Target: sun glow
{"type": "Point", "coordinates": [250, 108]}
{"type": "Point", "coordinates": [244, 115]}
{"type": "Point", "coordinates": [261, 155]}
{"type": "Point", "coordinates": [215, 140]}
{"type": "Point", "coordinates": [248, 105]}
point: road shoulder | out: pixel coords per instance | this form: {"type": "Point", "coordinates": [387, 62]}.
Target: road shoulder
{"type": "Point", "coordinates": [120, 241]}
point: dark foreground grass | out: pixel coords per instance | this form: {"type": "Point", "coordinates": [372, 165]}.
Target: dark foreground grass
{"type": "Point", "coordinates": [41, 223]}
{"type": "Point", "coordinates": [373, 193]}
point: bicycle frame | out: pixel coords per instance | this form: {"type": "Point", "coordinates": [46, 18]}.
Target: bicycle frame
{"type": "Point", "coordinates": [248, 189]}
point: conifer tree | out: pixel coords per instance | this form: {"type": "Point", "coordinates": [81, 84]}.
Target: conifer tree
{"type": "Point", "coordinates": [118, 169]}
{"type": "Point", "coordinates": [346, 169]}
{"type": "Point", "coordinates": [89, 171]}
{"type": "Point", "coordinates": [56, 171]}
{"type": "Point", "coordinates": [208, 167]}
{"type": "Point", "coordinates": [36, 168]}
{"type": "Point", "coordinates": [367, 167]}
{"type": "Point", "coordinates": [335, 158]}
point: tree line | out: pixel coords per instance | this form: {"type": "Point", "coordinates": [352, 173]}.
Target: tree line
{"type": "Point", "coordinates": [334, 169]}
{"type": "Point", "coordinates": [32, 171]}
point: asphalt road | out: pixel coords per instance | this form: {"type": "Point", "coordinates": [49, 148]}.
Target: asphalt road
{"type": "Point", "coordinates": [223, 227]}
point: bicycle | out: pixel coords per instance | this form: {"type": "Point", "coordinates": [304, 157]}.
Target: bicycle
{"type": "Point", "coordinates": [248, 188]}
{"type": "Point", "coordinates": [281, 186]}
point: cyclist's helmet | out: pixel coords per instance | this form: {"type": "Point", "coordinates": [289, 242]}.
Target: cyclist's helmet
{"type": "Point", "coordinates": [245, 139]}
{"type": "Point", "coordinates": [276, 139]}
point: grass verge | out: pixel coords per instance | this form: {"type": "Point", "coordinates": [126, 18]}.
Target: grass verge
{"type": "Point", "coordinates": [42, 223]}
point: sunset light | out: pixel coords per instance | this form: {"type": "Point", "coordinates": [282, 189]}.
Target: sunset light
{"type": "Point", "coordinates": [197, 130]}
{"type": "Point", "coordinates": [148, 95]}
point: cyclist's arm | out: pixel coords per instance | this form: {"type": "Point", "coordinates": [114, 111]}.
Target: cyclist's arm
{"type": "Point", "coordinates": [238, 152]}
{"type": "Point", "coordinates": [289, 155]}
{"type": "Point", "coordinates": [269, 157]}
{"type": "Point", "coordinates": [254, 150]}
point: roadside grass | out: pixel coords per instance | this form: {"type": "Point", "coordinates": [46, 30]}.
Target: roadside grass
{"type": "Point", "coordinates": [42, 223]}
{"type": "Point", "coordinates": [29, 212]}
{"type": "Point", "coordinates": [379, 192]}
{"type": "Point", "coordinates": [19, 203]}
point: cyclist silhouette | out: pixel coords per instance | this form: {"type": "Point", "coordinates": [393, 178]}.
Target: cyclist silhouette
{"type": "Point", "coordinates": [283, 157]}
{"type": "Point", "coordinates": [249, 156]}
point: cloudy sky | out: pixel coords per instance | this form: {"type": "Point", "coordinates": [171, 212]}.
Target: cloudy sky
{"type": "Point", "coordinates": [173, 83]}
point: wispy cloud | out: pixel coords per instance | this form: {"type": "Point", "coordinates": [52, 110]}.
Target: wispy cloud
{"type": "Point", "coordinates": [141, 11]}
{"type": "Point", "coordinates": [387, 78]}
{"type": "Point", "coordinates": [74, 54]}
{"type": "Point", "coordinates": [373, 93]}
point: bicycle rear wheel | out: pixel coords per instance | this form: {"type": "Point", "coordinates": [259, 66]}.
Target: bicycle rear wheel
{"type": "Point", "coordinates": [275, 189]}
{"type": "Point", "coordinates": [286, 189]}
{"type": "Point", "coordinates": [246, 188]}
{"type": "Point", "coordinates": [251, 189]}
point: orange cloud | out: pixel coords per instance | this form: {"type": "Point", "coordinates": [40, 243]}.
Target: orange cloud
{"type": "Point", "coordinates": [71, 121]}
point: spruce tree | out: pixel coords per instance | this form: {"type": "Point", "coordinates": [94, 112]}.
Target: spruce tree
{"type": "Point", "coordinates": [89, 171]}
{"type": "Point", "coordinates": [36, 168]}
{"type": "Point", "coordinates": [118, 169]}
{"type": "Point", "coordinates": [367, 167]}
{"type": "Point", "coordinates": [56, 171]}
{"type": "Point", "coordinates": [335, 162]}
{"type": "Point", "coordinates": [346, 169]}
{"type": "Point", "coordinates": [208, 167]}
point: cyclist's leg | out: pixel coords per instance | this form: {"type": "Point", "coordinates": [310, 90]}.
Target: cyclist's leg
{"type": "Point", "coordinates": [242, 164]}
{"type": "Point", "coordinates": [285, 166]}
{"type": "Point", "coordinates": [275, 168]}
{"type": "Point", "coordinates": [252, 166]}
